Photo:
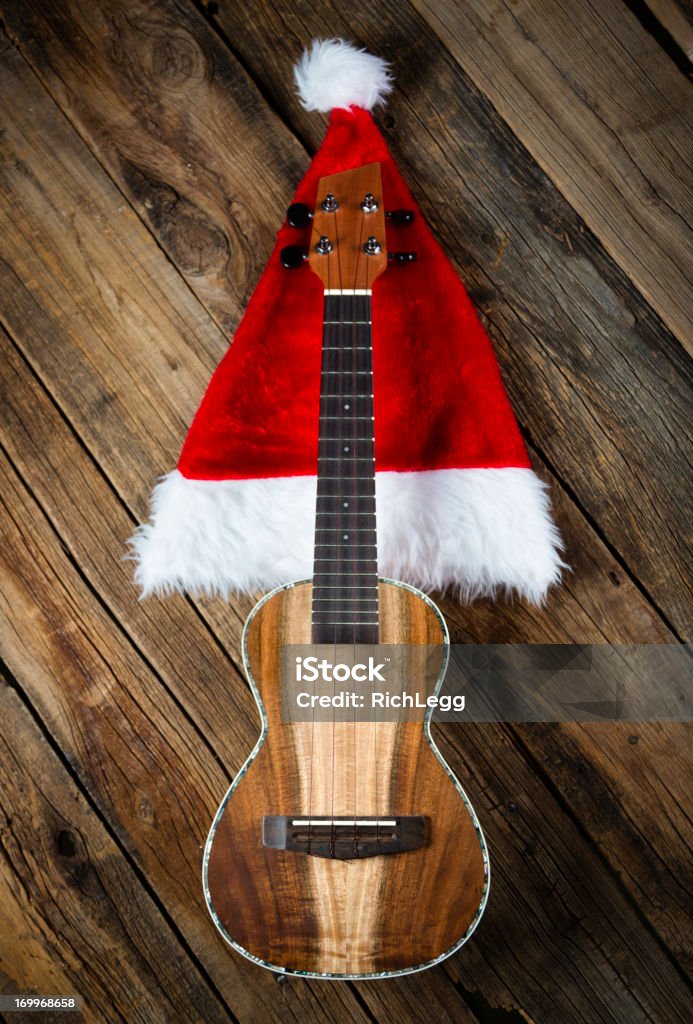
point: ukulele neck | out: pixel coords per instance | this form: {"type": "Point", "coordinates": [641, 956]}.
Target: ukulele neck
{"type": "Point", "coordinates": [345, 581]}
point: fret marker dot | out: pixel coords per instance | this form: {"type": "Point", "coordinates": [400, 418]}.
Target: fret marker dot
{"type": "Point", "coordinates": [346, 504]}
{"type": "Point", "coordinates": [346, 536]}
{"type": "Point", "coordinates": [346, 447]}
{"type": "Point", "coordinates": [347, 407]}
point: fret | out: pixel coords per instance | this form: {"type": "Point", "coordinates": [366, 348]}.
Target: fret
{"type": "Point", "coordinates": [348, 574]}
{"type": "Point", "coordinates": [365, 442]}
{"type": "Point", "coordinates": [356, 547]}
{"type": "Point", "coordinates": [361, 432]}
{"type": "Point", "coordinates": [336, 407]}
{"type": "Point", "coordinates": [357, 606]}
{"type": "Point", "coordinates": [325, 586]}
{"type": "Point", "coordinates": [343, 509]}
{"type": "Point", "coordinates": [347, 622]}
{"type": "Point", "coordinates": [346, 478]}
{"type": "Point", "coordinates": [347, 368]}
{"type": "Point", "coordinates": [345, 634]}
{"type": "Point", "coordinates": [333, 504]}
{"type": "Point", "coordinates": [356, 567]}
{"type": "Point", "coordinates": [346, 459]}
{"type": "Point", "coordinates": [358, 306]}
{"type": "Point", "coordinates": [334, 614]}
{"type": "Point", "coordinates": [346, 514]}
{"type": "Point", "coordinates": [356, 529]}
{"type": "Point", "coordinates": [347, 580]}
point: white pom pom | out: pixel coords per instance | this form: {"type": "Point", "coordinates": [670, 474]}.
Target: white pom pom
{"type": "Point", "coordinates": [333, 73]}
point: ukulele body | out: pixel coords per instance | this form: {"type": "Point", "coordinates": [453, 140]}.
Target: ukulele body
{"type": "Point", "coordinates": [321, 916]}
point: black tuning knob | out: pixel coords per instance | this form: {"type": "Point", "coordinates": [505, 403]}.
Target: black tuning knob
{"type": "Point", "coordinates": [298, 215]}
{"type": "Point", "coordinates": [402, 257]}
{"type": "Point", "coordinates": [400, 216]}
{"type": "Point", "coordinates": [292, 256]}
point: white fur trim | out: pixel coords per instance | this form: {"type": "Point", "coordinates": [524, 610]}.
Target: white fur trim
{"type": "Point", "coordinates": [474, 531]}
{"type": "Point", "coordinates": [333, 73]}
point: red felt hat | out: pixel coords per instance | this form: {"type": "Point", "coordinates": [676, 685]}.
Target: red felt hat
{"type": "Point", "coordinates": [458, 504]}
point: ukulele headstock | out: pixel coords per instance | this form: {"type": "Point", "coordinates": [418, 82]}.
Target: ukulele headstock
{"type": "Point", "coordinates": [348, 249]}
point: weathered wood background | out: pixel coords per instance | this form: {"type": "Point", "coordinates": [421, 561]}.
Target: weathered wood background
{"type": "Point", "coordinates": [148, 152]}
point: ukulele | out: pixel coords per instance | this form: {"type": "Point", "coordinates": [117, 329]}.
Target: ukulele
{"type": "Point", "coordinates": [344, 849]}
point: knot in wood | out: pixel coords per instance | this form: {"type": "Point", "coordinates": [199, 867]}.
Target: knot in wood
{"type": "Point", "coordinates": [176, 60]}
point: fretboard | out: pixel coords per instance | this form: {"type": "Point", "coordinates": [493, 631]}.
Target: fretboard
{"type": "Point", "coordinates": [345, 579]}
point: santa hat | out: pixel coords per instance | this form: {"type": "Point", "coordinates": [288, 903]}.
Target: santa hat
{"type": "Point", "coordinates": [458, 504]}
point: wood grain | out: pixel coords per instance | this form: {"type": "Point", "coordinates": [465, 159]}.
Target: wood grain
{"type": "Point", "coordinates": [146, 769]}
{"type": "Point", "coordinates": [179, 127]}
{"type": "Point", "coordinates": [110, 409]}
{"type": "Point", "coordinates": [611, 126]}
{"type": "Point", "coordinates": [520, 776]}
{"type": "Point", "coordinates": [564, 880]}
{"type": "Point", "coordinates": [606, 907]}
{"type": "Point", "coordinates": [65, 479]}
{"type": "Point", "coordinates": [69, 896]}
{"type": "Point", "coordinates": [574, 337]}
{"type": "Point", "coordinates": [348, 228]}
{"type": "Point", "coordinates": [124, 352]}
{"type": "Point", "coordinates": [69, 487]}
{"type": "Point", "coordinates": [382, 914]}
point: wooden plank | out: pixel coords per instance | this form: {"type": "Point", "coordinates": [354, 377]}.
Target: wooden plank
{"type": "Point", "coordinates": [595, 604]}
{"type": "Point", "coordinates": [677, 19]}
{"type": "Point", "coordinates": [562, 881]}
{"type": "Point", "coordinates": [179, 127]}
{"type": "Point", "coordinates": [625, 783]}
{"type": "Point", "coordinates": [594, 571]}
{"type": "Point", "coordinates": [629, 781]}
{"type": "Point", "coordinates": [598, 601]}
{"type": "Point", "coordinates": [72, 361]}
{"type": "Point", "coordinates": [520, 248]}
{"type": "Point", "coordinates": [176, 643]}
{"type": "Point", "coordinates": [575, 339]}
{"type": "Point", "coordinates": [145, 768]}
{"type": "Point", "coordinates": [604, 112]}
{"type": "Point", "coordinates": [95, 277]}
{"type": "Point", "coordinates": [139, 761]}
{"type": "Point", "coordinates": [69, 899]}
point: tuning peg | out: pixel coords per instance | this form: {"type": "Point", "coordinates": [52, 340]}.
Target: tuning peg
{"type": "Point", "coordinates": [298, 215]}
{"type": "Point", "coordinates": [292, 256]}
{"type": "Point", "coordinates": [402, 257]}
{"type": "Point", "coordinates": [400, 216]}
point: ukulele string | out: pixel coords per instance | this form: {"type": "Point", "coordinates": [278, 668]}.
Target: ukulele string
{"type": "Point", "coordinates": [377, 592]}
{"type": "Point", "coordinates": [354, 519]}
{"type": "Point", "coordinates": [337, 545]}
{"type": "Point", "coordinates": [369, 334]}
{"type": "Point", "coordinates": [312, 728]}
{"type": "Point", "coordinates": [355, 505]}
